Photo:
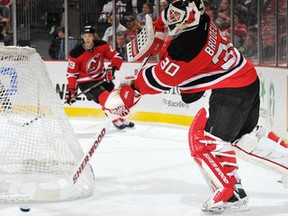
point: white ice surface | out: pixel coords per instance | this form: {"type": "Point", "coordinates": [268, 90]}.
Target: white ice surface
{"type": "Point", "coordinates": [148, 171]}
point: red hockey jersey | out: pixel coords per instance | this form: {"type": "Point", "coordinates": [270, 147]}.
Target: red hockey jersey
{"type": "Point", "coordinates": [87, 65]}
{"type": "Point", "coordinates": [196, 60]}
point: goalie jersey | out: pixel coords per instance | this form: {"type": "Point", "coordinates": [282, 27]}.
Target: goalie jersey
{"type": "Point", "coordinates": [195, 61]}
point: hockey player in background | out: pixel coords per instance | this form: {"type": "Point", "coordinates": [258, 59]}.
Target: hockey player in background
{"type": "Point", "coordinates": [86, 68]}
{"type": "Point", "coordinates": [197, 57]}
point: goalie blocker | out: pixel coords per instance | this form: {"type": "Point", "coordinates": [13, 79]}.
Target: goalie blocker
{"type": "Point", "coordinates": [117, 103]}
{"type": "Point", "coordinates": [147, 42]}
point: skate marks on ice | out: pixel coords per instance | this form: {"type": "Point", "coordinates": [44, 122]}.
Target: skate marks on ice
{"type": "Point", "coordinates": [149, 171]}
{"type": "Point", "coordinates": [155, 162]}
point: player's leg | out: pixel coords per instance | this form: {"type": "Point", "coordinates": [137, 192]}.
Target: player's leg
{"type": "Point", "coordinates": [124, 98]}
{"type": "Point", "coordinates": [265, 148]}
{"type": "Point", "coordinates": [257, 144]}
{"type": "Point", "coordinates": [217, 162]}
{"type": "Point", "coordinates": [228, 110]}
{"type": "Point", "coordinates": [111, 103]}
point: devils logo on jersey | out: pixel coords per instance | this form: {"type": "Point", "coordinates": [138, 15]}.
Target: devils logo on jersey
{"type": "Point", "coordinates": [94, 64]}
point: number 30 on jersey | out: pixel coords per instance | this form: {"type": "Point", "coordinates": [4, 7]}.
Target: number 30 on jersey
{"type": "Point", "coordinates": [168, 67]}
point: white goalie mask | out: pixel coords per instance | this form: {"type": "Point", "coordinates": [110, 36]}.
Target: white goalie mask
{"type": "Point", "coordinates": [182, 15]}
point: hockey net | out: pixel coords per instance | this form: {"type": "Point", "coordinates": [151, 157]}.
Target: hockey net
{"type": "Point", "coordinates": [37, 143]}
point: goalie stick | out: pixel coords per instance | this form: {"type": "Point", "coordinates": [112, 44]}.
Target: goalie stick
{"type": "Point", "coordinates": [87, 90]}
{"type": "Point", "coordinates": [41, 192]}
{"type": "Point", "coordinates": [67, 190]}
{"type": "Point", "coordinates": [75, 96]}
{"type": "Point", "coordinates": [145, 60]}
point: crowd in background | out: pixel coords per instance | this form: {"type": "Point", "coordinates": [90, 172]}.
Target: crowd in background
{"type": "Point", "coordinates": [128, 23]}
{"type": "Point", "coordinates": [5, 39]}
{"type": "Point", "coordinates": [245, 23]}
{"type": "Point", "coordinates": [130, 19]}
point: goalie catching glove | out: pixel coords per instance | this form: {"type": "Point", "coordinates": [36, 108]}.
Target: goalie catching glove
{"type": "Point", "coordinates": [147, 42]}
{"type": "Point", "coordinates": [70, 96]}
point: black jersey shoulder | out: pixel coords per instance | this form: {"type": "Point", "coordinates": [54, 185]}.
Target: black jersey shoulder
{"type": "Point", "coordinates": [77, 51]}
{"type": "Point", "coordinates": [189, 44]}
{"type": "Point", "coordinates": [99, 43]}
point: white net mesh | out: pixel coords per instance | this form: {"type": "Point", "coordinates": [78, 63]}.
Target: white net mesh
{"type": "Point", "coordinates": [37, 142]}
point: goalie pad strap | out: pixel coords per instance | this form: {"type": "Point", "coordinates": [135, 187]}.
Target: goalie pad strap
{"type": "Point", "coordinates": [271, 135]}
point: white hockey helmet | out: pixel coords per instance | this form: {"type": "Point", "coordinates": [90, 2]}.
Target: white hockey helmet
{"type": "Point", "coordinates": [182, 15]}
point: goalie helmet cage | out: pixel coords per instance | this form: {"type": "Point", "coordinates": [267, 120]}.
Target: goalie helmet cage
{"type": "Point", "coordinates": [37, 143]}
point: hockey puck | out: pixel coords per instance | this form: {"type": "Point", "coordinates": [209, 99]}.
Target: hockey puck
{"type": "Point", "coordinates": [25, 208]}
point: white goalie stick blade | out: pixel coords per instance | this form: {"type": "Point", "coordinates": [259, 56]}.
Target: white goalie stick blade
{"type": "Point", "coordinates": [48, 191]}
{"type": "Point", "coordinates": [138, 47]}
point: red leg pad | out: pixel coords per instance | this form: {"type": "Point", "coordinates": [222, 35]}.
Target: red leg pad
{"type": "Point", "coordinates": [215, 168]}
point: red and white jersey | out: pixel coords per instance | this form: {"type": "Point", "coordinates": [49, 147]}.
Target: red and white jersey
{"type": "Point", "coordinates": [196, 60]}
{"type": "Point", "coordinates": [88, 65]}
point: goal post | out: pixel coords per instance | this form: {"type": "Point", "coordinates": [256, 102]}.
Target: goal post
{"type": "Point", "coordinates": [37, 143]}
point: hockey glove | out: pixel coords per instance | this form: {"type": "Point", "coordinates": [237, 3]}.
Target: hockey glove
{"type": "Point", "coordinates": [70, 96]}
{"type": "Point", "coordinates": [109, 73]}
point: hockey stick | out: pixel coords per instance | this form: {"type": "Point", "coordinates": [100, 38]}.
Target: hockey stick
{"type": "Point", "coordinates": [145, 60]}
{"type": "Point", "coordinates": [75, 96]}
{"type": "Point", "coordinates": [87, 90]}
{"type": "Point", "coordinates": [67, 190]}
{"type": "Point", "coordinates": [43, 192]}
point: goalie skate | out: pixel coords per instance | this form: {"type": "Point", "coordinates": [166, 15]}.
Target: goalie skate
{"type": "Point", "coordinates": [237, 203]}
